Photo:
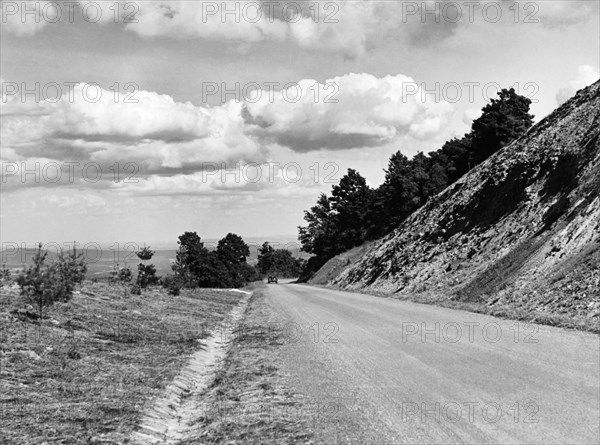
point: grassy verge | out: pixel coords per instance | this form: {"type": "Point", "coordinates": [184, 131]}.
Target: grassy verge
{"type": "Point", "coordinates": [247, 402]}
{"type": "Point", "coordinates": [87, 371]}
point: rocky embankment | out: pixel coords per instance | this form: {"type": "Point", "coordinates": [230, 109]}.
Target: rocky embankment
{"type": "Point", "coordinates": [520, 231]}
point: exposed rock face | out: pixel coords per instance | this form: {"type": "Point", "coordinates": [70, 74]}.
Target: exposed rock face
{"type": "Point", "coordinates": [522, 229]}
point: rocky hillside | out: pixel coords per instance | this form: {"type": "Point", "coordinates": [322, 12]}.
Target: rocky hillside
{"type": "Point", "coordinates": [520, 231]}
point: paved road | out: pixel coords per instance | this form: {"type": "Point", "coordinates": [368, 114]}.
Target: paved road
{"type": "Point", "coordinates": [387, 371]}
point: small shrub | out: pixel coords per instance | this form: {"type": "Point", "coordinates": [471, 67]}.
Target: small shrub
{"type": "Point", "coordinates": [145, 254]}
{"type": "Point", "coordinates": [5, 275]}
{"type": "Point", "coordinates": [173, 284]}
{"type": "Point", "coordinates": [44, 284]}
{"type": "Point", "coordinates": [146, 275]}
{"type": "Point", "coordinates": [146, 272]}
{"type": "Point", "coordinates": [121, 274]}
{"type": "Point", "coordinates": [125, 274]}
{"type": "Point", "coordinates": [71, 270]}
{"type": "Point", "coordinates": [136, 289]}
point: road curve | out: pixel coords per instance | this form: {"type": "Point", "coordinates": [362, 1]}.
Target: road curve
{"type": "Point", "coordinates": [388, 371]}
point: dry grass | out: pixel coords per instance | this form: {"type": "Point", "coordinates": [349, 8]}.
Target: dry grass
{"type": "Point", "coordinates": [86, 372]}
{"type": "Point", "coordinates": [247, 402]}
{"type": "Point", "coordinates": [338, 263]}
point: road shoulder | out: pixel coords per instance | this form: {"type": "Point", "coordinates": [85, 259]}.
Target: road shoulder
{"type": "Point", "coordinates": [248, 401]}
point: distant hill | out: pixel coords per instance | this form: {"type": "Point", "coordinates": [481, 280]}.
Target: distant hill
{"type": "Point", "coordinates": [520, 231]}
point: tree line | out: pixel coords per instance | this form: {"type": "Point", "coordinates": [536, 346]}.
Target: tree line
{"type": "Point", "coordinates": [355, 212]}
{"type": "Point", "coordinates": [227, 266]}
{"type": "Point", "coordinates": [42, 284]}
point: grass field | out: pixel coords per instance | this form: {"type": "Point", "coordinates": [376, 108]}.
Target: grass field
{"type": "Point", "coordinates": [86, 373]}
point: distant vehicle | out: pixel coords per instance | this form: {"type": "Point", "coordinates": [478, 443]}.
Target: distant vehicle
{"type": "Point", "coordinates": [272, 279]}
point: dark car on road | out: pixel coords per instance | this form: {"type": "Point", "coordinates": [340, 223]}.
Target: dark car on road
{"type": "Point", "coordinates": [272, 279]}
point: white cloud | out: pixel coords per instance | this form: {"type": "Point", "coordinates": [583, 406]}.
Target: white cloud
{"type": "Point", "coordinates": [263, 181]}
{"type": "Point", "coordinates": [156, 130]}
{"type": "Point", "coordinates": [332, 27]}
{"type": "Point", "coordinates": [560, 13]}
{"type": "Point", "coordinates": [335, 27]}
{"type": "Point", "coordinates": [350, 111]}
{"type": "Point", "coordinates": [206, 19]}
{"type": "Point", "coordinates": [170, 142]}
{"type": "Point", "coordinates": [586, 75]}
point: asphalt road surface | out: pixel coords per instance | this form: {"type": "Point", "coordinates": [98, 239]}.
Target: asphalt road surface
{"type": "Point", "coordinates": [386, 371]}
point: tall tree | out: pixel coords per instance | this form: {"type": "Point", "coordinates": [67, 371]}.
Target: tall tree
{"type": "Point", "coordinates": [350, 202]}
{"type": "Point", "coordinates": [318, 237]}
{"type": "Point", "coordinates": [265, 258]}
{"type": "Point", "coordinates": [399, 189]}
{"type": "Point", "coordinates": [190, 259]}
{"type": "Point", "coordinates": [503, 120]}
{"type": "Point", "coordinates": [232, 250]}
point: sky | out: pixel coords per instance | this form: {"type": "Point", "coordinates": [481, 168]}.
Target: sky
{"type": "Point", "coordinates": [138, 121]}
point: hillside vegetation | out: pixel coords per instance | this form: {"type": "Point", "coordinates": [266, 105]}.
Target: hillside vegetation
{"type": "Point", "coordinates": [356, 212]}
{"type": "Point", "coordinates": [518, 234]}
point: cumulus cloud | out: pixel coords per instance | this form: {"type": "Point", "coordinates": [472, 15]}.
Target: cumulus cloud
{"type": "Point", "coordinates": [214, 20]}
{"type": "Point", "coordinates": [165, 139]}
{"type": "Point", "coordinates": [586, 75]}
{"type": "Point", "coordinates": [345, 112]}
{"type": "Point", "coordinates": [561, 13]}
{"type": "Point", "coordinates": [154, 129]}
{"type": "Point", "coordinates": [336, 27]}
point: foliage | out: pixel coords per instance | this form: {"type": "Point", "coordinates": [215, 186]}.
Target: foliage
{"type": "Point", "coordinates": [503, 120]}
{"type": "Point", "coordinates": [125, 274]}
{"type": "Point", "coordinates": [71, 269]}
{"type": "Point", "coordinates": [44, 284]}
{"type": "Point", "coordinates": [265, 258]}
{"type": "Point", "coordinates": [196, 266]}
{"type": "Point", "coordinates": [278, 262]}
{"type": "Point", "coordinates": [249, 273]}
{"type": "Point", "coordinates": [355, 213]}
{"type": "Point", "coordinates": [342, 221]}
{"type": "Point", "coordinates": [5, 275]}
{"type": "Point", "coordinates": [318, 236]}
{"type": "Point", "coordinates": [350, 202]}
{"type": "Point", "coordinates": [215, 273]}
{"type": "Point", "coordinates": [190, 259]}
{"type": "Point", "coordinates": [146, 272]}
{"type": "Point", "coordinates": [173, 284]}
{"type": "Point", "coordinates": [121, 274]}
{"type": "Point", "coordinates": [146, 275]}
{"type": "Point", "coordinates": [232, 250]}
{"type": "Point", "coordinates": [145, 253]}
